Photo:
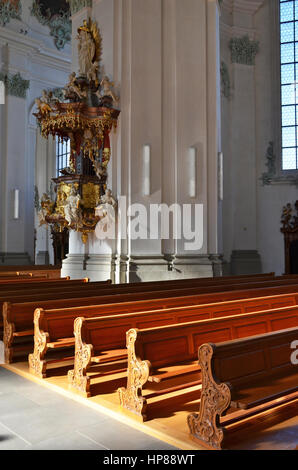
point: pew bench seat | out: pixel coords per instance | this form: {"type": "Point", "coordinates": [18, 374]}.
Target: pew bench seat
{"type": "Point", "coordinates": [110, 356]}
{"type": "Point", "coordinates": [245, 383]}
{"type": "Point", "coordinates": [61, 343]}
{"type": "Point", "coordinates": [152, 348]}
{"type": "Point", "coordinates": [260, 391]}
{"type": "Point", "coordinates": [20, 334]}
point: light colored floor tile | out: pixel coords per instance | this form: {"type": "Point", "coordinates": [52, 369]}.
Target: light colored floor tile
{"type": "Point", "coordinates": [117, 436]}
{"type": "Point", "coordinates": [32, 417]}
{"type": "Point", "coordinates": [14, 403]}
{"type": "Point", "coordinates": [71, 441]}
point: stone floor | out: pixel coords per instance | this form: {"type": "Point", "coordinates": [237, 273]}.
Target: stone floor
{"type": "Point", "coordinates": [32, 417]}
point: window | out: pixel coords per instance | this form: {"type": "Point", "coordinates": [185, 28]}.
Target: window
{"type": "Point", "coordinates": [289, 82]}
{"type": "Point", "coordinates": [62, 154]}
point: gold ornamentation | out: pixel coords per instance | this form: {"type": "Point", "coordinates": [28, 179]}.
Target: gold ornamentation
{"type": "Point", "coordinates": [63, 192]}
{"type": "Point", "coordinates": [37, 365]}
{"type": "Point", "coordinates": [77, 377]}
{"type": "Point", "coordinates": [91, 195]}
{"type": "Point", "coordinates": [137, 375]}
{"type": "Point", "coordinates": [215, 399]}
{"type": "Point", "coordinates": [88, 128]}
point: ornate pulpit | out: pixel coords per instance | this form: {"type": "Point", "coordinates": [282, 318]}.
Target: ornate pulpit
{"type": "Point", "coordinates": [85, 117]}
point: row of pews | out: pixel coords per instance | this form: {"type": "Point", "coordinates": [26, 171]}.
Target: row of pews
{"type": "Point", "coordinates": [31, 271]}
{"type": "Point", "coordinates": [228, 340]}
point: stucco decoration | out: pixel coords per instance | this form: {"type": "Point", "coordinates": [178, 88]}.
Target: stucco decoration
{"type": "Point", "coordinates": [57, 18]}
{"type": "Point", "coordinates": [272, 175]}
{"type": "Point", "coordinates": [244, 50]}
{"type": "Point", "coordinates": [15, 85]}
{"type": "Point", "coordinates": [77, 5]}
{"type": "Point", "coordinates": [9, 9]}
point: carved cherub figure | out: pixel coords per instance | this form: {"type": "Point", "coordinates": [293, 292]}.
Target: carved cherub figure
{"type": "Point", "coordinates": [106, 86]}
{"type": "Point", "coordinates": [72, 87]}
{"type": "Point", "coordinates": [44, 109]}
{"type": "Point", "coordinates": [47, 206]}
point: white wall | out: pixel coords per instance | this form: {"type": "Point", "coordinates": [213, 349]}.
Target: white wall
{"type": "Point", "coordinates": [36, 58]}
{"type": "Point", "coordinates": [250, 120]}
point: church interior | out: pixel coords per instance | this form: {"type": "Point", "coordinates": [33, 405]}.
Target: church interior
{"type": "Point", "coordinates": [149, 225]}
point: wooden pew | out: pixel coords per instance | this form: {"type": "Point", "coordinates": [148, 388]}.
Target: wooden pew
{"type": "Point", "coordinates": [113, 290]}
{"type": "Point", "coordinates": [24, 267]}
{"type": "Point", "coordinates": [155, 353]}
{"type": "Point", "coordinates": [156, 298]}
{"type": "Point", "coordinates": [32, 271]}
{"type": "Point", "coordinates": [31, 283]}
{"type": "Point", "coordinates": [27, 281]}
{"type": "Point", "coordinates": [138, 287]}
{"type": "Point", "coordinates": [49, 290]}
{"type": "Point", "coordinates": [53, 328]}
{"type": "Point", "coordinates": [56, 325]}
{"type": "Point", "coordinates": [244, 374]}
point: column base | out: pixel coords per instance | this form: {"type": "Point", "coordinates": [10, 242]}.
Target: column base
{"type": "Point", "coordinates": [141, 268]}
{"type": "Point", "coordinates": [74, 266]}
{"type": "Point", "coordinates": [169, 267]}
{"type": "Point", "coordinates": [15, 259]}
{"type": "Point", "coordinates": [245, 262]}
{"type": "Point", "coordinates": [42, 258]}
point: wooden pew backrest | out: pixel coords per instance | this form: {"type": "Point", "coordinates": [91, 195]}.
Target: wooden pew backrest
{"type": "Point", "coordinates": [229, 367]}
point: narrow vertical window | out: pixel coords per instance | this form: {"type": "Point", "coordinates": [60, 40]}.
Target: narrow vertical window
{"type": "Point", "coordinates": [289, 82]}
{"type": "Point", "coordinates": [62, 154]}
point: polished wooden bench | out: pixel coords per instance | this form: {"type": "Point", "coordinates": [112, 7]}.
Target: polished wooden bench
{"type": "Point", "coordinates": [57, 324]}
{"type": "Point", "coordinates": [48, 274]}
{"type": "Point", "coordinates": [20, 280]}
{"type": "Point", "coordinates": [157, 355]}
{"type": "Point", "coordinates": [143, 292]}
{"type": "Point", "coordinates": [243, 375]}
{"type": "Point", "coordinates": [46, 291]}
{"type": "Point", "coordinates": [24, 267]}
{"type": "Point", "coordinates": [12, 289]}
{"type": "Point", "coordinates": [149, 286]}
{"type": "Point", "coordinates": [138, 291]}
{"type": "Point", "coordinates": [35, 283]}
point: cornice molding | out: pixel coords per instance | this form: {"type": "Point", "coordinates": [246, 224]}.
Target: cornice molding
{"type": "Point", "coordinates": [232, 31]}
{"type": "Point", "coordinates": [35, 50]}
{"type": "Point", "coordinates": [249, 7]}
